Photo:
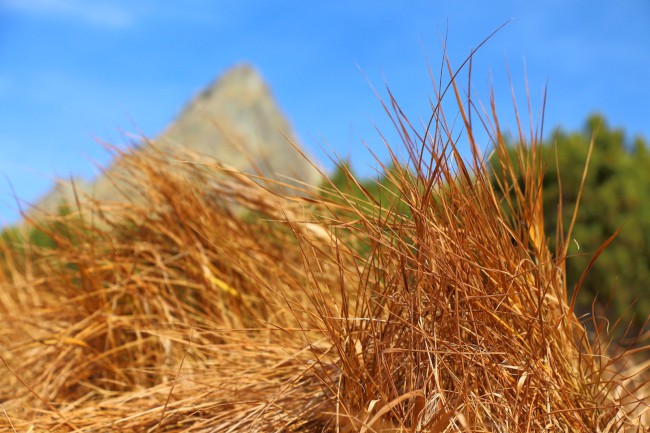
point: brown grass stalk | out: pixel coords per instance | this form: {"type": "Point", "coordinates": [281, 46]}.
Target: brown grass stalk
{"type": "Point", "coordinates": [441, 310]}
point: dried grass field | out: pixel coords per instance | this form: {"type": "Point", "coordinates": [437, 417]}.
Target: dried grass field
{"type": "Point", "coordinates": [212, 303]}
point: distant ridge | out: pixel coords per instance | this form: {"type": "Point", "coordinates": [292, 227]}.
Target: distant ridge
{"type": "Point", "coordinates": [235, 120]}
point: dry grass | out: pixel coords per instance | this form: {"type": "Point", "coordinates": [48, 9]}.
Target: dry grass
{"type": "Point", "coordinates": [177, 313]}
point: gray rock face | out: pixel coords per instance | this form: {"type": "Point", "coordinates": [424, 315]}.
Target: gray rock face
{"type": "Point", "coordinates": [235, 121]}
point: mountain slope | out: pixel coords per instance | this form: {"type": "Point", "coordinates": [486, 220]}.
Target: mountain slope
{"type": "Point", "coordinates": [235, 121]}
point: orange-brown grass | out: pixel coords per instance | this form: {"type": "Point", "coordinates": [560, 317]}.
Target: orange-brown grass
{"type": "Point", "coordinates": [210, 303]}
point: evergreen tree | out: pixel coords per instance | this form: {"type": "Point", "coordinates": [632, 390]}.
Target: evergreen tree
{"type": "Point", "coordinates": [616, 194]}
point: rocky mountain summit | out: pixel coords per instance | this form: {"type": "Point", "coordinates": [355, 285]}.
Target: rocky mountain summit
{"type": "Point", "coordinates": [235, 121]}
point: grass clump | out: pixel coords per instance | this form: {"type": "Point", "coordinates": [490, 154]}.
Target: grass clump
{"type": "Point", "coordinates": [180, 312]}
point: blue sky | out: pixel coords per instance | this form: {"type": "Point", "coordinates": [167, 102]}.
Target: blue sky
{"type": "Point", "coordinates": [73, 72]}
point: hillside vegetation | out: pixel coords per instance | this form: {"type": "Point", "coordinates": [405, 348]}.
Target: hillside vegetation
{"type": "Point", "coordinates": [435, 306]}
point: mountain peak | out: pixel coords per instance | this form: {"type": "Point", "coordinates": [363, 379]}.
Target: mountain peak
{"type": "Point", "coordinates": [242, 76]}
{"type": "Point", "coordinates": [235, 120]}
{"type": "Point", "coordinates": [240, 80]}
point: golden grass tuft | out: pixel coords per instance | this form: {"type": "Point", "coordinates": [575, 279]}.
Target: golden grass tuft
{"type": "Point", "coordinates": [212, 304]}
